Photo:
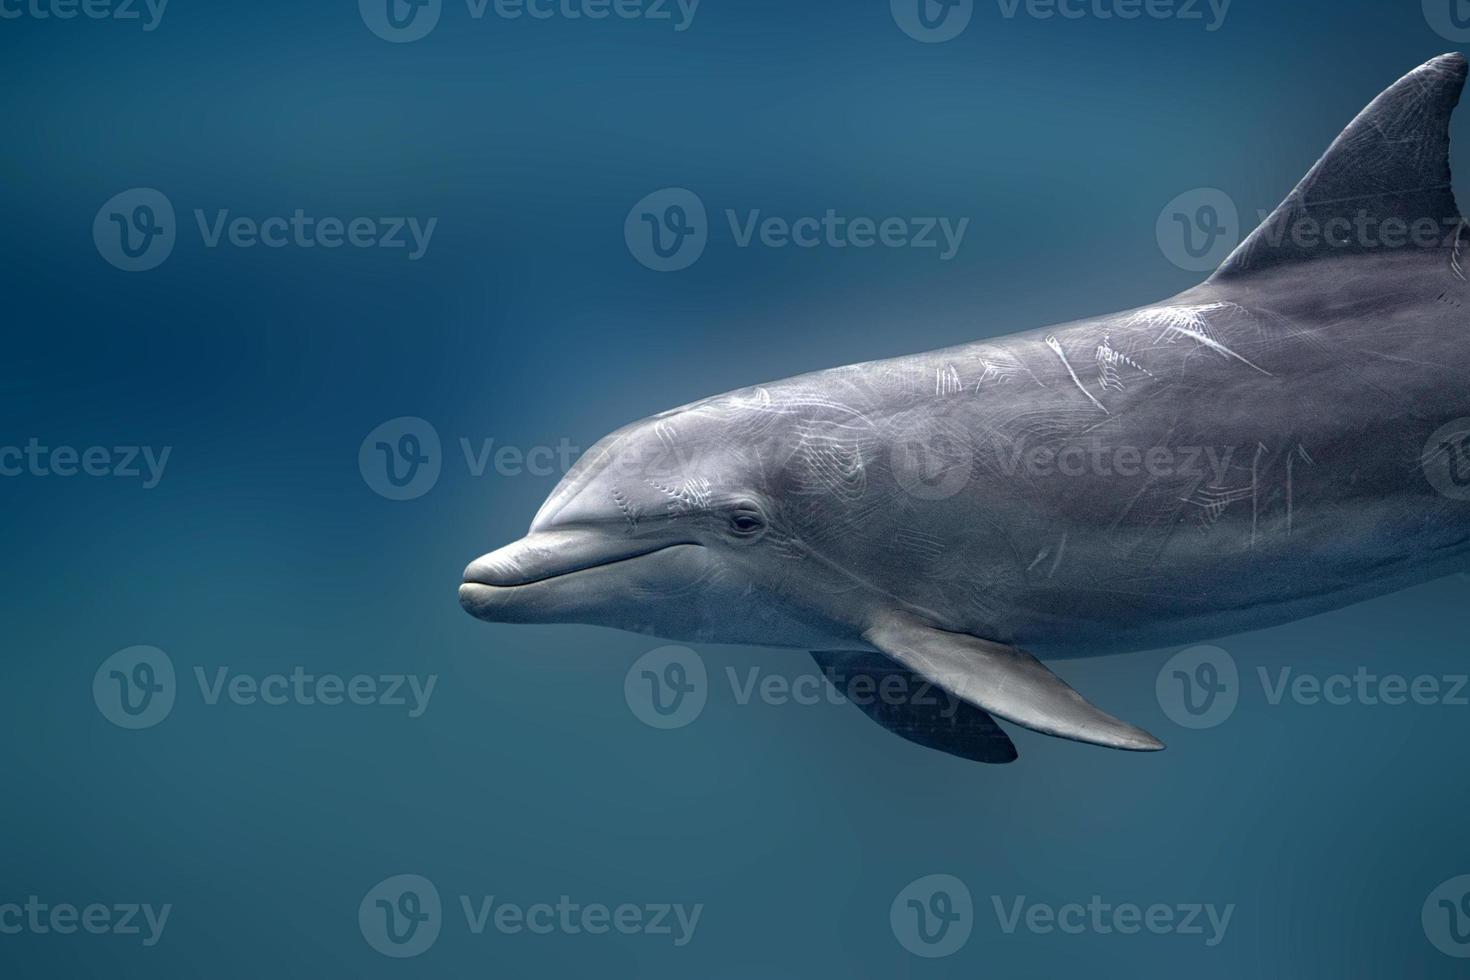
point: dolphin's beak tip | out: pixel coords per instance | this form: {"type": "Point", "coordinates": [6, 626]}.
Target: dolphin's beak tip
{"type": "Point", "coordinates": [1144, 742]}
{"type": "Point", "coordinates": [467, 597]}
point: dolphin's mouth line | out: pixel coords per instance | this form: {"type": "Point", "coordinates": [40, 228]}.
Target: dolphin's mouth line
{"type": "Point", "coordinates": [482, 576]}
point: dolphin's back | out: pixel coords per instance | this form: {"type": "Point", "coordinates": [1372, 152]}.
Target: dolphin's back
{"type": "Point", "coordinates": [1257, 449]}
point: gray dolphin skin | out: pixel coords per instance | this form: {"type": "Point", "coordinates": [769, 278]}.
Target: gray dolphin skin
{"type": "Point", "coordinates": [1286, 438]}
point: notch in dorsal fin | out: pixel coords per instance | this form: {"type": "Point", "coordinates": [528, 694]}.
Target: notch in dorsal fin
{"type": "Point", "coordinates": [1392, 162]}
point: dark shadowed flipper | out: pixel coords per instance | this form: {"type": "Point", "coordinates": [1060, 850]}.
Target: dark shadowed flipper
{"type": "Point", "coordinates": [912, 708]}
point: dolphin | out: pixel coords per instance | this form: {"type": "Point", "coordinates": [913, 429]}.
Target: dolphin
{"type": "Point", "coordinates": [1288, 437]}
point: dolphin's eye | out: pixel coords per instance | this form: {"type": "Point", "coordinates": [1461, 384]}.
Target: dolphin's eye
{"type": "Point", "coordinates": [747, 521]}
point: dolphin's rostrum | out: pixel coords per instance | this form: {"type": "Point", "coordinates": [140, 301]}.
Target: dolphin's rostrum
{"type": "Point", "coordinates": [1255, 450]}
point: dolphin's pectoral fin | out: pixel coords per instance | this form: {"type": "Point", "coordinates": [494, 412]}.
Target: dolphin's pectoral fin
{"type": "Point", "coordinates": [913, 708]}
{"type": "Point", "coordinates": [1004, 681]}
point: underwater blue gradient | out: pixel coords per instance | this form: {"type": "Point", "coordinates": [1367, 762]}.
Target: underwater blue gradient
{"type": "Point", "coordinates": [527, 321]}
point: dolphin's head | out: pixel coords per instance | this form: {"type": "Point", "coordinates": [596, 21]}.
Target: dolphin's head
{"type": "Point", "coordinates": [668, 526]}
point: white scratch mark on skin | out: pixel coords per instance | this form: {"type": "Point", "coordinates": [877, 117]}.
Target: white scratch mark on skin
{"type": "Point", "coordinates": [832, 461]}
{"type": "Point", "coordinates": [630, 513]}
{"type": "Point", "coordinates": [1214, 500]}
{"type": "Point", "coordinates": [1255, 487]}
{"type": "Point", "coordinates": [993, 372]}
{"type": "Point", "coordinates": [1459, 270]}
{"type": "Point", "coordinates": [690, 496]}
{"type": "Point", "coordinates": [1061, 550]}
{"type": "Point", "coordinates": [1056, 347]}
{"type": "Point", "coordinates": [947, 381]}
{"type": "Point", "coordinates": [1040, 556]}
{"type": "Point", "coordinates": [1290, 458]}
{"type": "Point", "coordinates": [925, 545]}
{"type": "Point", "coordinates": [759, 398]}
{"type": "Point", "coordinates": [1191, 322]}
{"type": "Point", "coordinates": [1108, 361]}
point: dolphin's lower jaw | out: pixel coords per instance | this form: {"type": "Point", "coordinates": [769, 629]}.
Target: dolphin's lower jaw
{"type": "Point", "coordinates": [562, 576]}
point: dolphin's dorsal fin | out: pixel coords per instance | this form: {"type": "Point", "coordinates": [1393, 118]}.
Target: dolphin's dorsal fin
{"type": "Point", "coordinates": [1392, 162]}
